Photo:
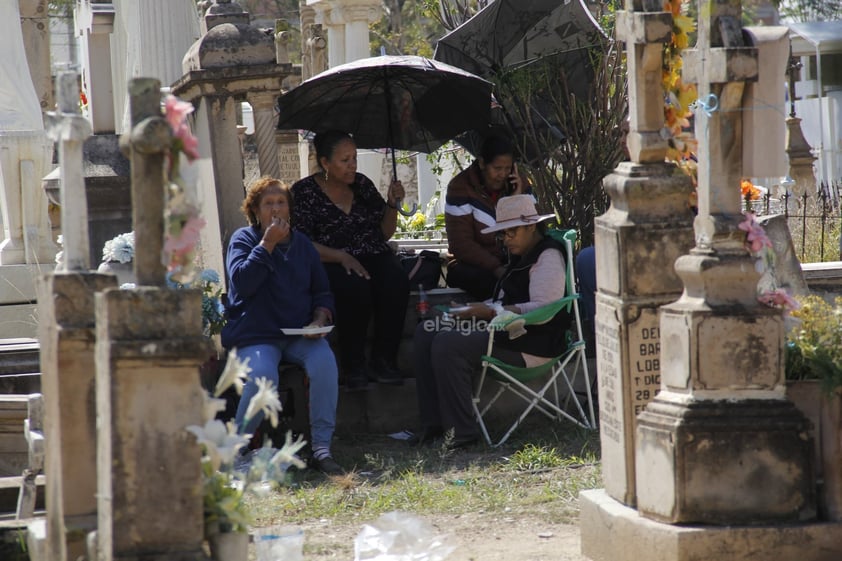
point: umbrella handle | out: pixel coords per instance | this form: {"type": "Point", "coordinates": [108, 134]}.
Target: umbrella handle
{"type": "Point", "coordinates": [410, 212]}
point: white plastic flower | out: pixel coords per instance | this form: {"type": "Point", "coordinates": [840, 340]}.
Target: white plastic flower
{"type": "Point", "coordinates": [211, 406]}
{"type": "Point", "coordinates": [265, 400]}
{"type": "Point", "coordinates": [119, 248]}
{"type": "Point", "coordinates": [286, 456]}
{"type": "Point", "coordinates": [220, 441]}
{"type": "Point", "coordinates": [235, 373]}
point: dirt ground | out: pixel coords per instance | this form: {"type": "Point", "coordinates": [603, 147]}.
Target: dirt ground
{"type": "Point", "coordinates": [476, 537]}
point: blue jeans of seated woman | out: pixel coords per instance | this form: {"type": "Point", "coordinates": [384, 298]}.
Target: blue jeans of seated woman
{"type": "Point", "coordinates": [317, 360]}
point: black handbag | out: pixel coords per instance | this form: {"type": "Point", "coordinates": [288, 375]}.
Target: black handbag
{"type": "Point", "coordinates": [424, 268]}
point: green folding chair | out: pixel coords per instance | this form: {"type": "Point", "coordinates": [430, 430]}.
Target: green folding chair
{"type": "Point", "coordinates": [566, 370]}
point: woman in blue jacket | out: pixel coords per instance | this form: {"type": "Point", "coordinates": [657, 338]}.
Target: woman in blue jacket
{"type": "Point", "coordinates": [276, 281]}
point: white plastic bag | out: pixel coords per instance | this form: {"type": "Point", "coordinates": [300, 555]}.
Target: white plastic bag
{"type": "Point", "coordinates": [400, 536]}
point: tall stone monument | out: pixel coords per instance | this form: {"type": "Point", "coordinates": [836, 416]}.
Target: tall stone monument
{"type": "Point", "coordinates": [647, 227]}
{"type": "Point", "coordinates": [232, 62]}
{"type": "Point", "coordinates": [67, 336]}
{"type": "Point", "coordinates": [35, 24]}
{"type": "Point", "coordinates": [148, 351]}
{"type": "Point", "coordinates": [149, 39]}
{"type": "Point", "coordinates": [26, 248]}
{"type": "Point", "coordinates": [722, 460]}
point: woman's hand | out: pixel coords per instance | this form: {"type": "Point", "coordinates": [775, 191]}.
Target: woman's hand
{"type": "Point", "coordinates": [320, 319]}
{"type": "Point", "coordinates": [516, 181]}
{"type": "Point", "coordinates": [395, 193]}
{"type": "Point", "coordinates": [477, 310]}
{"type": "Point", "coordinates": [276, 232]}
{"type": "Point", "coordinates": [351, 265]}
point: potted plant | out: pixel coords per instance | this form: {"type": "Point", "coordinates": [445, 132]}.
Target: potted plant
{"type": "Point", "coordinates": [814, 384]}
{"type": "Point", "coordinates": [228, 476]}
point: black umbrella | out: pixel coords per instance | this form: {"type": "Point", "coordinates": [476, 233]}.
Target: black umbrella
{"type": "Point", "coordinates": [397, 102]}
{"type": "Point", "coordinates": [511, 33]}
{"type": "Point", "coordinates": [508, 34]}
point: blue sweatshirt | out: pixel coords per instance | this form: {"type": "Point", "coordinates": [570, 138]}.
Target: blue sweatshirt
{"type": "Point", "coordinates": [269, 291]}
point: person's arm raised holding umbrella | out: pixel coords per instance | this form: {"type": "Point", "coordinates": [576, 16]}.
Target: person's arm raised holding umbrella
{"type": "Point", "coordinates": [350, 223]}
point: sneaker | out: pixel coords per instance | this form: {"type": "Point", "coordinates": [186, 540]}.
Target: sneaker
{"type": "Point", "coordinates": [327, 466]}
{"type": "Point", "coordinates": [386, 372]}
{"type": "Point", "coordinates": [426, 436]}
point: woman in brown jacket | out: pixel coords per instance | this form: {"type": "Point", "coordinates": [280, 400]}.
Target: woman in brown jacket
{"type": "Point", "coordinates": [477, 260]}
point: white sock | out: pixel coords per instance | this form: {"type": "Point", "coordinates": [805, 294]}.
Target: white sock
{"type": "Point", "coordinates": [321, 452]}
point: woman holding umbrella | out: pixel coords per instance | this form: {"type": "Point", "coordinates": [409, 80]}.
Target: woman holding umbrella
{"type": "Point", "coordinates": [350, 223]}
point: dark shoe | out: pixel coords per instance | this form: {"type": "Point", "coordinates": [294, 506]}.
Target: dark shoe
{"type": "Point", "coordinates": [327, 466]}
{"type": "Point", "coordinates": [386, 372]}
{"type": "Point", "coordinates": [356, 380]}
{"type": "Point", "coordinates": [426, 436]}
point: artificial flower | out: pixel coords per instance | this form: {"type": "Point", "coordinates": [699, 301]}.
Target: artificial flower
{"type": "Point", "coordinates": [119, 249]}
{"type": "Point", "coordinates": [265, 401]}
{"type": "Point", "coordinates": [779, 298]}
{"type": "Point", "coordinates": [235, 373]}
{"type": "Point", "coordinates": [220, 441]}
{"type": "Point", "coordinates": [756, 238]}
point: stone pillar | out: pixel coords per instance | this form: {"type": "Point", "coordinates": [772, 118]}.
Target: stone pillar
{"type": "Point", "coordinates": [720, 444]}
{"type": "Point", "coordinates": [265, 123]}
{"type": "Point", "coordinates": [94, 25]}
{"type": "Point", "coordinates": [66, 334]}
{"type": "Point", "coordinates": [35, 23]}
{"type": "Point", "coordinates": [356, 30]}
{"type": "Point", "coordinates": [148, 351]}
{"type": "Point", "coordinates": [347, 23]}
{"type": "Point", "coordinates": [801, 159]}
{"type": "Point", "coordinates": [647, 227]}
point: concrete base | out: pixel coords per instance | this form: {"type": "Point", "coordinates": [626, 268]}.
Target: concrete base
{"type": "Point", "coordinates": [611, 531]}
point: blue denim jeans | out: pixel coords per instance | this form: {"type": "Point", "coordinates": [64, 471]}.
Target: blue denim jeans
{"type": "Point", "coordinates": [317, 360]}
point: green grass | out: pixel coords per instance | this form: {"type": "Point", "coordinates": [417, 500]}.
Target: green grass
{"type": "Point", "coordinates": [544, 465]}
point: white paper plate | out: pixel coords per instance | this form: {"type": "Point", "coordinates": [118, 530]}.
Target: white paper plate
{"type": "Point", "coordinates": [307, 330]}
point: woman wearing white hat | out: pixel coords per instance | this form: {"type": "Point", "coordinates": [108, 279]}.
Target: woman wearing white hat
{"type": "Point", "coordinates": [445, 360]}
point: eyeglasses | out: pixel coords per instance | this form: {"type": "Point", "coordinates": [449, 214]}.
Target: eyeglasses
{"type": "Point", "coordinates": [508, 233]}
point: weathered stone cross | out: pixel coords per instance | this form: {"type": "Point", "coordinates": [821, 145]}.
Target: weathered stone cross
{"type": "Point", "coordinates": [70, 129]}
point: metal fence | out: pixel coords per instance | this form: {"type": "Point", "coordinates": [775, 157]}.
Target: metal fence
{"type": "Point", "coordinates": [813, 218]}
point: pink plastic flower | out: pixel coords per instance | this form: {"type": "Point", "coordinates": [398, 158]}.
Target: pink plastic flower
{"type": "Point", "coordinates": [186, 241]}
{"type": "Point", "coordinates": [176, 111]}
{"type": "Point", "coordinates": [779, 299]}
{"type": "Point", "coordinates": [756, 238]}
{"type": "Point", "coordinates": [189, 143]}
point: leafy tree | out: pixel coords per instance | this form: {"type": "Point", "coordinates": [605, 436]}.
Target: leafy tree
{"type": "Point", "coordinates": [407, 27]}
{"type": "Point", "coordinates": [809, 10]}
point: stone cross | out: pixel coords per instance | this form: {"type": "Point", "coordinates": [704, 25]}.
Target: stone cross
{"type": "Point", "coordinates": [645, 32]}
{"type": "Point", "coordinates": [70, 129]}
{"type": "Point", "coordinates": [720, 417]}
{"type": "Point", "coordinates": [282, 37]}
{"type": "Point", "coordinates": [147, 145]}
{"type": "Point", "coordinates": [720, 67]}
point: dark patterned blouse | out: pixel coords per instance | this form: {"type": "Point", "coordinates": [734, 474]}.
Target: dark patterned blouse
{"type": "Point", "coordinates": [358, 232]}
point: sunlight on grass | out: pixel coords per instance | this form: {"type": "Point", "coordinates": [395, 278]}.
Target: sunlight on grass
{"type": "Point", "coordinates": [541, 468]}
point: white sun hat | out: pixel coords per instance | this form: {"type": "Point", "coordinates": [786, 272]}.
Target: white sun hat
{"type": "Point", "coordinates": [517, 210]}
